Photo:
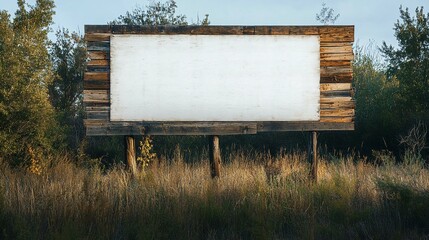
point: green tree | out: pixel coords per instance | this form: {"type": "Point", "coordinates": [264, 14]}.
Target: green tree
{"type": "Point", "coordinates": [26, 115]}
{"type": "Point", "coordinates": [409, 63]}
{"type": "Point", "coordinates": [154, 14]}
{"type": "Point", "coordinates": [68, 55]}
{"type": "Point", "coordinates": [376, 101]}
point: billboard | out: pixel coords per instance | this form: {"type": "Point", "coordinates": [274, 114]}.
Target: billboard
{"type": "Point", "coordinates": [218, 80]}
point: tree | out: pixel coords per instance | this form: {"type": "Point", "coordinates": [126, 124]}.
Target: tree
{"type": "Point", "coordinates": [68, 55]}
{"type": "Point", "coordinates": [376, 101]}
{"type": "Point", "coordinates": [409, 63]}
{"type": "Point", "coordinates": [26, 115]}
{"type": "Point", "coordinates": [155, 14]}
{"type": "Point", "coordinates": [327, 15]}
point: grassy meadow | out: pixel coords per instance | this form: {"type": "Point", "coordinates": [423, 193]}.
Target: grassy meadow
{"type": "Point", "coordinates": [257, 197]}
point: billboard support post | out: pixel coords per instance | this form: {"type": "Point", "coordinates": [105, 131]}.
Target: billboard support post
{"type": "Point", "coordinates": [214, 156]}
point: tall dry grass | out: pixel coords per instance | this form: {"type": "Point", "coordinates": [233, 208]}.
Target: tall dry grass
{"type": "Point", "coordinates": [257, 197]}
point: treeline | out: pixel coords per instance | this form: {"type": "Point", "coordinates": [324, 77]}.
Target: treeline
{"type": "Point", "coordinates": [41, 109]}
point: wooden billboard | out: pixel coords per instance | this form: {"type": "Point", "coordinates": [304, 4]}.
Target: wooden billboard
{"type": "Point", "coordinates": [218, 80]}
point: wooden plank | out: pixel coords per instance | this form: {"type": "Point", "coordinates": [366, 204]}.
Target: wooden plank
{"type": "Point", "coordinates": [303, 126]}
{"type": "Point", "coordinates": [335, 86]}
{"type": "Point", "coordinates": [98, 55]}
{"type": "Point", "coordinates": [339, 37]}
{"type": "Point", "coordinates": [97, 108]}
{"type": "Point", "coordinates": [98, 46]}
{"type": "Point", "coordinates": [337, 34]}
{"type": "Point", "coordinates": [92, 104]}
{"type": "Point", "coordinates": [228, 128]}
{"type": "Point", "coordinates": [330, 71]}
{"type": "Point", "coordinates": [97, 37]}
{"type": "Point", "coordinates": [105, 76]}
{"type": "Point", "coordinates": [112, 131]}
{"type": "Point", "coordinates": [336, 79]}
{"type": "Point", "coordinates": [103, 115]}
{"type": "Point", "coordinates": [329, 29]}
{"type": "Point", "coordinates": [99, 92]}
{"type": "Point", "coordinates": [96, 96]}
{"type": "Point", "coordinates": [336, 76]}
{"type": "Point", "coordinates": [185, 124]}
{"type": "Point", "coordinates": [337, 113]}
{"type": "Point", "coordinates": [97, 29]}
{"type": "Point", "coordinates": [99, 128]}
{"type": "Point", "coordinates": [286, 30]}
{"type": "Point", "coordinates": [335, 44]}
{"type": "Point", "coordinates": [137, 129]}
{"type": "Point", "coordinates": [334, 63]}
{"type": "Point", "coordinates": [342, 49]}
{"type": "Point", "coordinates": [270, 30]}
{"type": "Point", "coordinates": [335, 99]}
{"type": "Point", "coordinates": [337, 105]}
{"type": "Point", "coordinates": [98, 69]}
{"type": "Point", "coordinates": [98, 62]}
{"type": "Point", "coordinates": [248, 30]}
{"type": "Point", "coordinates": [336, 56]}
{"type": "Point", "coordinates": [215, 30]}
{"type": "Point", "coordinates": [340, 93]}
{"type": "Point", "coordinates": [307, 30]}
{"type": "Point", "coordinates": [336, 119]}
{"type": "Point", "coordinates": [328, 33]}
{"type": "Point", "coordinates": [96, 85]}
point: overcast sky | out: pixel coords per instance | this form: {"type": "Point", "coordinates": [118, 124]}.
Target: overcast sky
{"type": "Point", "coordinates": [373, 19]}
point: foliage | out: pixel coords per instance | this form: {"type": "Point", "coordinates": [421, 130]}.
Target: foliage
{"type": "Point", "coordinates": [68, 55]}
{"type": "Point", "coordinates": [26, 115]}
{"type": "Point", "coordinates": [376, 100]}
{"type": "Point", "coordinates": [146, 152]}
{"type": "Point", "coordinates": [414, 143]}
{"type": "Point", "coordinates": [205, 21]}
{"type": "Point", "coordinates": [409, 63]}
{"type": "Point", "coordinates": [327, 15]}
{"type": "Point", "coordinates": [154, 14]}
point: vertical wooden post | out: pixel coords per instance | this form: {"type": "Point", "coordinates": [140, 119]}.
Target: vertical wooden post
{"type": "Point", "coordinates": [130, 153]}
{"type": "Point", "coordinates": [313, 156]}
{"type": "Point", "coordinates": [215, 160]}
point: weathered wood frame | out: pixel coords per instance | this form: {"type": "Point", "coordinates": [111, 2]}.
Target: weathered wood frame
{"type": "Point", "coordinates": [337, 107]}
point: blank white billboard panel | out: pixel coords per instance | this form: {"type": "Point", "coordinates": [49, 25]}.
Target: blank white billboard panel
{"type": "Point", "coordinates": [214, 78]}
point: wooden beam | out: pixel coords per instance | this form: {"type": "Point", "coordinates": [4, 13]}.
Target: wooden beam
{"type": "Point", "coordinates": [130, 153]}
{"type": "Point", "coordinates": [214, 156]}
{"type": "Point", "coordinates": [102, 127]}
{"type": "Point", "coordinates": [313, 153]}
{"type": "Point", "coordinates": [96, 96]}
{"type": "Point", "coordinates": [304, 126]}
{"type": "Point", "coordinates": [98, 62]}
{"type": "Point", "coordinates": [328, 33]}
{"type": "Point", "coordinates": [95, 37]}
{"type": "Point", "coordinates": [101, 76]}
{"type": "Point", "coordinates": [95, 55]}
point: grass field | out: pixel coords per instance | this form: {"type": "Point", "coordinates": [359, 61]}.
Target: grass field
{"type": "Point", "coordinates": [257, 197]}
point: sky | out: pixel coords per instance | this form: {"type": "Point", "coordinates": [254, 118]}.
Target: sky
{"type": "Point", "coordinates": [373, 19]}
